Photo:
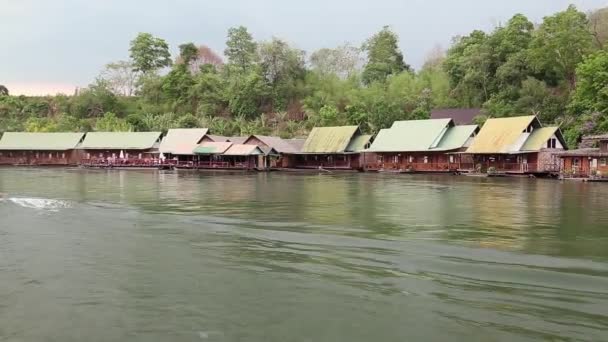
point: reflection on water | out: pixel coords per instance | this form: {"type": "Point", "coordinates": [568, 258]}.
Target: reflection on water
{"type": "Point", "coordinates": [145, 255]}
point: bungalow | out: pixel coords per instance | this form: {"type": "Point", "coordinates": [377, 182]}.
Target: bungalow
{"type": "Point", "coordinates": [40, 148]}
{"type": "Point", "coordinates": [516, 145]}
{"type": "Point", "coordinates": [276, 150]}
{"type": "Point", "coordinates": [226, 155]}
{"type": "Point", "coordinates": [337, 148]}
{"type": "Point", "coordinates": [177, 147]}
{"type": "Point", "coordinates": [420, 146]}
{"type": "Point", "coordinates": [128, 149]}
{"type": "Point", "coordinates": [586, 162]}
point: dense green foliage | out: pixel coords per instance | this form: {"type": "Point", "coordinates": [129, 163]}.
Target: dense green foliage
{"type": "Point", "coordinates": [557, 70]}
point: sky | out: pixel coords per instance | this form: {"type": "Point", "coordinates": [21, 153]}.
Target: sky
{"type": "Point", "coordinates": [54, 46]}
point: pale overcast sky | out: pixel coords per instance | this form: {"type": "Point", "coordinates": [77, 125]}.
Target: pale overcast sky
{"type": "Point", "coordinates": [48, 46]}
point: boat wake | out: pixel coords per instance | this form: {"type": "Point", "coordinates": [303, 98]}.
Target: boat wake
{"type": "Point", "coordinates": [39, 203]}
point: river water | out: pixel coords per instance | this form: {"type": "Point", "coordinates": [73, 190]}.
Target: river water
{"type": "Point", "coordinates": [98, 255]}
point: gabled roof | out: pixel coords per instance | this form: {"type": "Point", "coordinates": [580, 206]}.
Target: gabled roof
{"type": "Point", "coordinates": [237, 140]}
{"type": "Point", "coordinates": [212, 147]}
{"type": "Point", "coordinates": [298, 144]}
{"type": "Point", "coordinates": [279, 144]}
{"type": "Point", "coordinates": [182, 140]}
{"type": "Point", "coordinates": [597, 137]}
{"type": "Point", "coordinates": [501, 135]}
{"type": "Point", "coordinates": [584, 152]}
{"type": "Point", "coordinates": [461, 116]}
{"type": "Point", "coordinates": [359, 143]}
{"type": "Point", "coordinates": [411, 136]}
{"type": "Point", "coordinates": [40, 141]}
{"type": "Point", "coordinates": [242, 150]}
{"type": "Point", "coordinates": [329, 139]}
{"type": "Point", "coordinates": [456, 137]}
{"type": "Point", "coordinates": [120, 140]}
{"type": "Point", "coordinates": [218, 138]}
{"type": "Point", "coordinates": [538, 138]}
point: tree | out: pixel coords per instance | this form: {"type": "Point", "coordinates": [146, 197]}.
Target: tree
{"type": "Point", "coordinates": [246, 94]}
{"type": "Point", "coordinates": [283, 67]}
{"type": "Point", "coordinates": [591, 94]}
{"type": "Point", "coordinates": [187, 53]}
{"type": "Point", "coordinates": [111, 123]}
{"type": "Point", "coordinates": [3, 90]}
{"type": "Point", "coordinates": [204, 56]}
{"type": "Point", "coordinates": [208, 91]}
{"type": "Point", "coordinates": [560, 44]}
{"type": "Point", "coordinates": [383, 56]}
{"type": "Point", "coordinates": [468, 65]}
{"type": "Point", "coordinates": [240, 49]}
{"type": "Point", "coordinates": [93, 101]}
{"type": "Point", "coordinates": [149, 53]}
{"type": "Point", "coordinates": [598, 26]}
{"type": "Point", "coordinates": [176, 85]}
{"type": "Point", "coordinates": [121, 78]}
{"type": "Point", "coordinates": [342, 61]}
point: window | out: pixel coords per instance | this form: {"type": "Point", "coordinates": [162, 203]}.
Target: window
{"type": "Point", "coordinates": [395, 159]}
{"type": "Point", "coordinates": [551, 143]}
{"type": "Point", "coordinates": [411, 159]}
{"type": "Point", "coordinates": [379, 158]}
{"type": "Point", "coordinates": [451, 159]}
{"type": "Point", "coordinates": [576, 162]}
{"type": "Point", "coordinates": [602, 161]}
{"type": "Point", "coordinates": [426, 159]}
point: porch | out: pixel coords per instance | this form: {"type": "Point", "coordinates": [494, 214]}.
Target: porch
{"type": "Point", "coordinates": [525, 163]}
{"type": "Point", "coordinates": [327, 161]}
{"type": "Point", "coordinates": [413, 162]}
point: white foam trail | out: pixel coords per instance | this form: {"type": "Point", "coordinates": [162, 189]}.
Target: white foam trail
{"type": "Point", "coordinates": [40, 203]}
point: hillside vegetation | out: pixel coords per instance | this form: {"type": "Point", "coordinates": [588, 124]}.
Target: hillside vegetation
{"type": "Point", "coordinates": [557, 69]}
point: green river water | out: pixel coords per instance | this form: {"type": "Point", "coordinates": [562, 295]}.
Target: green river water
{"type": "Point", "coordinates": [109, 255]}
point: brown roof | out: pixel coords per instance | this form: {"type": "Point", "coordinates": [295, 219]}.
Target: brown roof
{"type": "Point", "coordinates": [217, 138]}
{"type": "Point", "coordinates": [584, 152]}
{"type": "Point", "coordinates": [280, 145]}
{"type": "Point", "coordinates": [596, 137]}
{"type": "Point", "coordinates": [237, 140]}
{"type": "Point", "coordinates": [461, 116]}
{"type": "Point", "coordinates": [297, 143]}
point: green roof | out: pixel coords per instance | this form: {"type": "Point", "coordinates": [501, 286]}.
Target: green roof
{"type": "Point", "coordinates": [182, 140]}
{"type": "Point", "coordinates": [358, 143]}
{"type": "Point", "coordinates": [40, 141]}
{"type": "Point", "coordinates": [120, 140]}
{"type": "Point", "coordinates": [411, 135]}
{"type": "Point", "coordinates": [538, 138]}
{"type": "Point", "coordinates": [501, 135]}
{"type": "Point", "coordinates": [456, 137]}
{"type": "Point", "coordinates": [329, 139]}
{"type": "Point", "coordinates": [209, 147]}
{"type": "Point", "coordinates": [243, 150]}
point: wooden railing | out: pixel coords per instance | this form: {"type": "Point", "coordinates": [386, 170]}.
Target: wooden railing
{"type": "Point", "coordinates": [413, 166]}
{"type": "Point", "coordinates": [121, 162]}
{"type": "Point", "coordinates": [33, 161]}
{"type": "Point", "coordinates": [215, 165]}
{"type": "Point", "coordinates": [323, 164]}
